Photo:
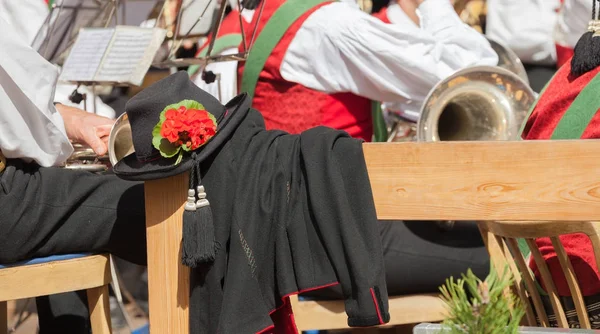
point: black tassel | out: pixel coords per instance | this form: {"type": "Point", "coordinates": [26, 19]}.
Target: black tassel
{"type": "Point", "coordinates": [198, 245]}
{"type": "Point", "coordinates": [206, 229]}
{"type": "Point", "coordinates": [586, 55]}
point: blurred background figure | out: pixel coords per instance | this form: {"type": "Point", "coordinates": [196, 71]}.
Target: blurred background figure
{"type": "Point", "coordinates": [573, 18]}
{"type": "Point", "coordinates": [527, 28]}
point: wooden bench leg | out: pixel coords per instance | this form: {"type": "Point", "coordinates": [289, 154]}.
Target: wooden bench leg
{"type": "Point", "coordinates": [3, 318]}
{"type": "Point", "coordinates": [99, 310]}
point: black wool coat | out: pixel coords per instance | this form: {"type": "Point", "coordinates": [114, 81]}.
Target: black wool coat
{"type": "Point", "coordinates": [291, 213]}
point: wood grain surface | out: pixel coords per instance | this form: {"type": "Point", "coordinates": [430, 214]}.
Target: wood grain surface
{"type": "Point", "coordinates": [521, 180]}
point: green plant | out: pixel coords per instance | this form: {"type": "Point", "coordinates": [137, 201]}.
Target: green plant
{"type": "Point", "coordinates": [481, 307]}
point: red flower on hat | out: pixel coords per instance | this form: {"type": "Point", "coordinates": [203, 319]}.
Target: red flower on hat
{"type": "Point", "coordinates": [184, 126]}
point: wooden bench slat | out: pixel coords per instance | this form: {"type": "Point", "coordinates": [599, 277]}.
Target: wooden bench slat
{"type": "Point", "coordinates": [54, 277]}
{"type": "Point", "coordinates": [331, 314]}
{"type": "Point", "coordinates": [509, 180]}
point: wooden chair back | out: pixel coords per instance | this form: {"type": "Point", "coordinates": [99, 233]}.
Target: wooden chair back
{"type": "Point", "coordinates": [502, 242]}
{"type": "Point", "coordinates": [481, 181]}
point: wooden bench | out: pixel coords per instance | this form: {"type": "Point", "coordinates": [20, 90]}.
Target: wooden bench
{"type": "Point", "coordinates": [482, 181]}
{"type": "Point", "coordinates": [58, 274]}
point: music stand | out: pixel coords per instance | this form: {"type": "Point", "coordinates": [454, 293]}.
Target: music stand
{"type": "Point", "coordinates": [171, 61]}
{"type": "Point", "coordinates": [66, 17]}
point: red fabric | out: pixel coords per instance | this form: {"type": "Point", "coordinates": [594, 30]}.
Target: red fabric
{"type": "Point", "coordinates": [283, 316]}
{"type": "Point", "coordinates": [553, 104]}
{"type": "Point", "coordinates": [382, 15]}
{"type": "Point", "coordinates": [563, 54]}
{"type": "Point", "coordinates": [294, 108]}
{"type": "Point", "coordinates": [230, 25]}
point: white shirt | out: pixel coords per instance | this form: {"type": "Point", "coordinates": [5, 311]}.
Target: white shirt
{"type": "Point", "coordinates": [526, 27]}
{"type": "Point", "coordinates": [573, 19]}
{"type": "Point", "coordinates": [396, 15]}
{"type": "Point", "coordinates": [30, 126]}
{"type": "Point", "coordinates": [341, 49]}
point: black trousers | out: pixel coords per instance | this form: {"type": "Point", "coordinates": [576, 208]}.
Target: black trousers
{"type": "Point", "coordinates": [50, 211]}
{"type": "Point", "coordinates": [420, 255]}
{"type": "Point", "coordinates": [539, 75]}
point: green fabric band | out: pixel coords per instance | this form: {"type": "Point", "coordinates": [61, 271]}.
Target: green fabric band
{"type": "Point", "coordinates": [221, 44]}
{"type": "Point", "coordinates": [579, 115]}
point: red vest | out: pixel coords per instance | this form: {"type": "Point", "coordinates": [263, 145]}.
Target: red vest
{"type": "Point", "coordinates": [550, 108]}
{"type": "Point", "coordinates": [291, 107]}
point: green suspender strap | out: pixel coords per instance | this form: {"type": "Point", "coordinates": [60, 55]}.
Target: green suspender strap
{"type": "Point", "coordinates": [267, 40]}
{"type": "Point", "coordinates": [221, 44]}
{"type": "Point", "coordinates": [380, 133]}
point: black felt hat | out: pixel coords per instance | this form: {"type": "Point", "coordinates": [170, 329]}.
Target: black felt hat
{"type": "Point", "coordinates": [172, 99]}
{"type": "Point", "coordinates": [144, 113]}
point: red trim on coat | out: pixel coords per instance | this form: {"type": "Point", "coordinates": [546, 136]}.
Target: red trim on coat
{"type": "Point", "coordinates": [381, 322]}
{"type": "Point", "coordinates": [283, 315]}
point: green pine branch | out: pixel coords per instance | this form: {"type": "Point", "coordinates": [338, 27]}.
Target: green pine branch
{"type": "Point", "coordinates": [481, 307]}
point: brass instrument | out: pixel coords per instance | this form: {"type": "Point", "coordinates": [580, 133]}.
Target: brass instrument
{"type": "Point", "coordinates": [509, 60]}
{"type": "Point", "coordinates": [477, 103]}
{"type": "Point", "coordinates": [474, 14]}
{"type": "Point", "coordinates": [120, 143]}
{"type": "Point", "coordinates": [85, 158]}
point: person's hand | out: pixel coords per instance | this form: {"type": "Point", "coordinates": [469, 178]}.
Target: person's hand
{"type": "Point", "coordinates": [85, 128]}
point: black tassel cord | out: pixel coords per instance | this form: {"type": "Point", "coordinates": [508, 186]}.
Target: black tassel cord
{"type": "Point", "coordinates": [586, 55]}
{"type": "Point", "coordinates": [198, 244]}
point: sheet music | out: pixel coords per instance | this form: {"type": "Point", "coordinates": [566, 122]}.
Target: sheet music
{"type": "Point", "coordinates": [86, 55]}
{"type": "Point", "coordinates": [130, 54]}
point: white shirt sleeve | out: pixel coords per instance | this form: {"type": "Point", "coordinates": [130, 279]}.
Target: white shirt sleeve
{"type": "Point", "coordinates": [573, 19]}
{"type": "Point", "coordinates": [30, 126]}
{"type": "Point", "coordinates": [341, 49]}
{"type": "Point", "coordinates": [26, 16]}
{"type": "Point", "coordinates": [525, 26]}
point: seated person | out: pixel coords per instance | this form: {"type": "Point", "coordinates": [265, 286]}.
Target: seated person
{"type": "Point", "coordinates": [557, 116]}
{"type": "Point", "coordinates": [47, 210]}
